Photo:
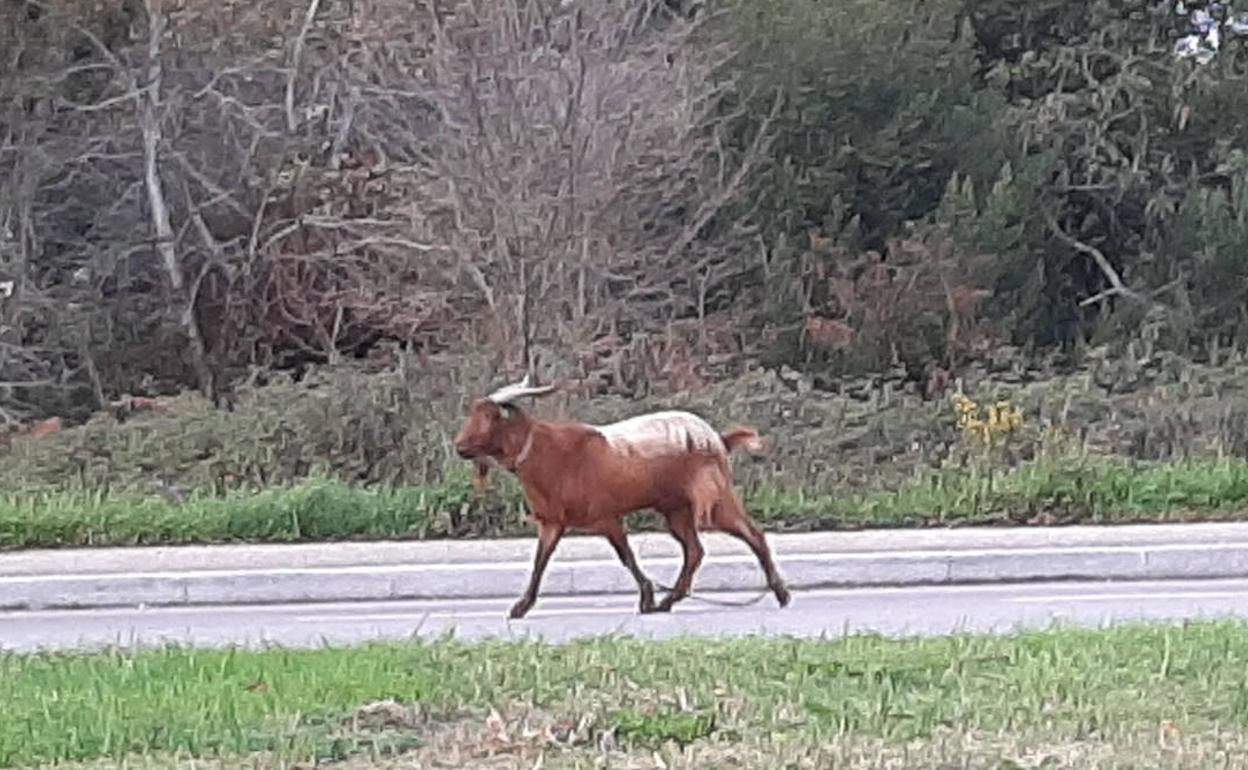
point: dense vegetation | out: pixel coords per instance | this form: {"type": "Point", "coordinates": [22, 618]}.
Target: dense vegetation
{"type": "Point", "coordinates": [865, 200]}
{"type": "Point", "coordinates": [191, 189]}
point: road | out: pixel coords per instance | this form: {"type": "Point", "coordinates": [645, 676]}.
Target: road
{"type": "Point", "coordinates": [921, 610]}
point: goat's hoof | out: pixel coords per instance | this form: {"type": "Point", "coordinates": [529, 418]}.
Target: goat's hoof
{"type": "Point", "coordinates": [519, 609]}
{"type": "Point", "coordinates": [783, 596]}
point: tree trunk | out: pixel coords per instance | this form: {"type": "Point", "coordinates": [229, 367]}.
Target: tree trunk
{"type": "Point", "coordinates": [150, 121]}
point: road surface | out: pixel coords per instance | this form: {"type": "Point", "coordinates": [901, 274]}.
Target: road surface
{"type": "Point", "coordinates": [890, 611]}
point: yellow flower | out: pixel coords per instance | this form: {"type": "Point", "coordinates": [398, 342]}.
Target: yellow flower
{"type": "Point", "coordinates": [998, 420]}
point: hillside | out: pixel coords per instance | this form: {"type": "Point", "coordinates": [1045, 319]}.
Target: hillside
{"type": "Point", "coordinates": [817, 217]}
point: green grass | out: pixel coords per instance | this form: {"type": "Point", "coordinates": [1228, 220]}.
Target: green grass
{"type": "Point", "coordinates": [318, 509]}
{"type": "Point", "coordinates": [1088, 491]}
{"type": "Point", "coordinates": [777, 698]}
{"type": "Point", "coordinates": [1099, 491]}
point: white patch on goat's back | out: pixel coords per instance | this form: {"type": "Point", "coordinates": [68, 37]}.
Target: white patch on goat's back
{"type": "Point", "coordinates": [662, 433]}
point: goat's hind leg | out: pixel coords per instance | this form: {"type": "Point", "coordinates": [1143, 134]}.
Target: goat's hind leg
{"type": "Point", "coordinates": [730, 517]}
{"type": "Point", "coordinates": [613, 531]}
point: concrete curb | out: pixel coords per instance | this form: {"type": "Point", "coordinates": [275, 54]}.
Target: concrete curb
{"type": "Point", "coordinates": [70, 580]}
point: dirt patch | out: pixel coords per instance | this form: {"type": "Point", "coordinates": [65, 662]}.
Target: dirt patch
{"type": "Point", "coordinates": [516, 736]}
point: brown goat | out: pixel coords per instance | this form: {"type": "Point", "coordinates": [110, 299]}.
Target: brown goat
{"type": "Point", "coordinates": [584, 477]}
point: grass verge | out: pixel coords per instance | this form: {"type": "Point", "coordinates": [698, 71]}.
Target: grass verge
{"type": "Point", "coordinates": [1045, 492]}
{"type": "Point", "coordinates": [1132, 695]}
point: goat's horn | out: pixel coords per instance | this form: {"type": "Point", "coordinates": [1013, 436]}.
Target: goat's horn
{"type": "Point", "coordinates": [522, 389]}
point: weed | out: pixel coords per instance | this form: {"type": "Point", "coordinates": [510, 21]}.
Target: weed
{"type": "Point", "coordinates": [651, 729]}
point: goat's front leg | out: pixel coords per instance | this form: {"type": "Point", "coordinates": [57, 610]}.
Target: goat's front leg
{"type": "Point", "coordinates": [548, 536]}
{"type": "Point", "coordinates": [613, 531]}
{"type": "Point", "coordinates": [684, 530]}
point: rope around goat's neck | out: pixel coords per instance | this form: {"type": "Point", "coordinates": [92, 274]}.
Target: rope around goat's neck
{"type": "Point", "coordinates": [523, 454]}
{"type": "Point", "coordinates": [524, 450]}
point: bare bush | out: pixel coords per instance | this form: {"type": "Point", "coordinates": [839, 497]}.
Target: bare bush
{"type": "Point", "coordinates": [163, 166]}
{"type": "Point", "coordinates": [70, 229]}
{"type": "Point", "coordinates": [578, 158]}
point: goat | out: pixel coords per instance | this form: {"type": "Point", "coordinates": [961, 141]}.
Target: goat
{"type": "Point", "coordinates": [577, 476]}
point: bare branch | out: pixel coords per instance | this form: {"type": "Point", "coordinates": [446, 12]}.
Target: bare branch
{"type": "Point", "coordinates": [296, 59]}
{"type": "Point", "coordinates": [1117, 287]}
{"type": "Point", "coordinates": [753, 155]}
{"type": "Point", "coordinates": [219, 194]}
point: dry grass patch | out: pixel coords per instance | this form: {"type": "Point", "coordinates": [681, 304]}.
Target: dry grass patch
{"type": "Point", "coordinates": [526, 740]}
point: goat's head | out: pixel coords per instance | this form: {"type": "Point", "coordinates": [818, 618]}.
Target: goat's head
{"type": "Point", "coordinates": [492, 419]}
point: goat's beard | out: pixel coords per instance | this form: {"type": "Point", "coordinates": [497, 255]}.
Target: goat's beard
{"type": "Point", "coordinates": [480, 470]}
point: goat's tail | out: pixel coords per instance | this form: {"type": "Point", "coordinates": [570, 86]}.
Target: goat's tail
{"type": "Point", "coordinates": [743, 437]}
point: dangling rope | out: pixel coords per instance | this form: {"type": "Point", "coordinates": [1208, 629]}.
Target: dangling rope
{"type": "Point", "coordinates": [720, 602]}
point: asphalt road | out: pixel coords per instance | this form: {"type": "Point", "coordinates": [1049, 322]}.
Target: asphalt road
{"type": "Point", "coordinates": [890, 611]}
